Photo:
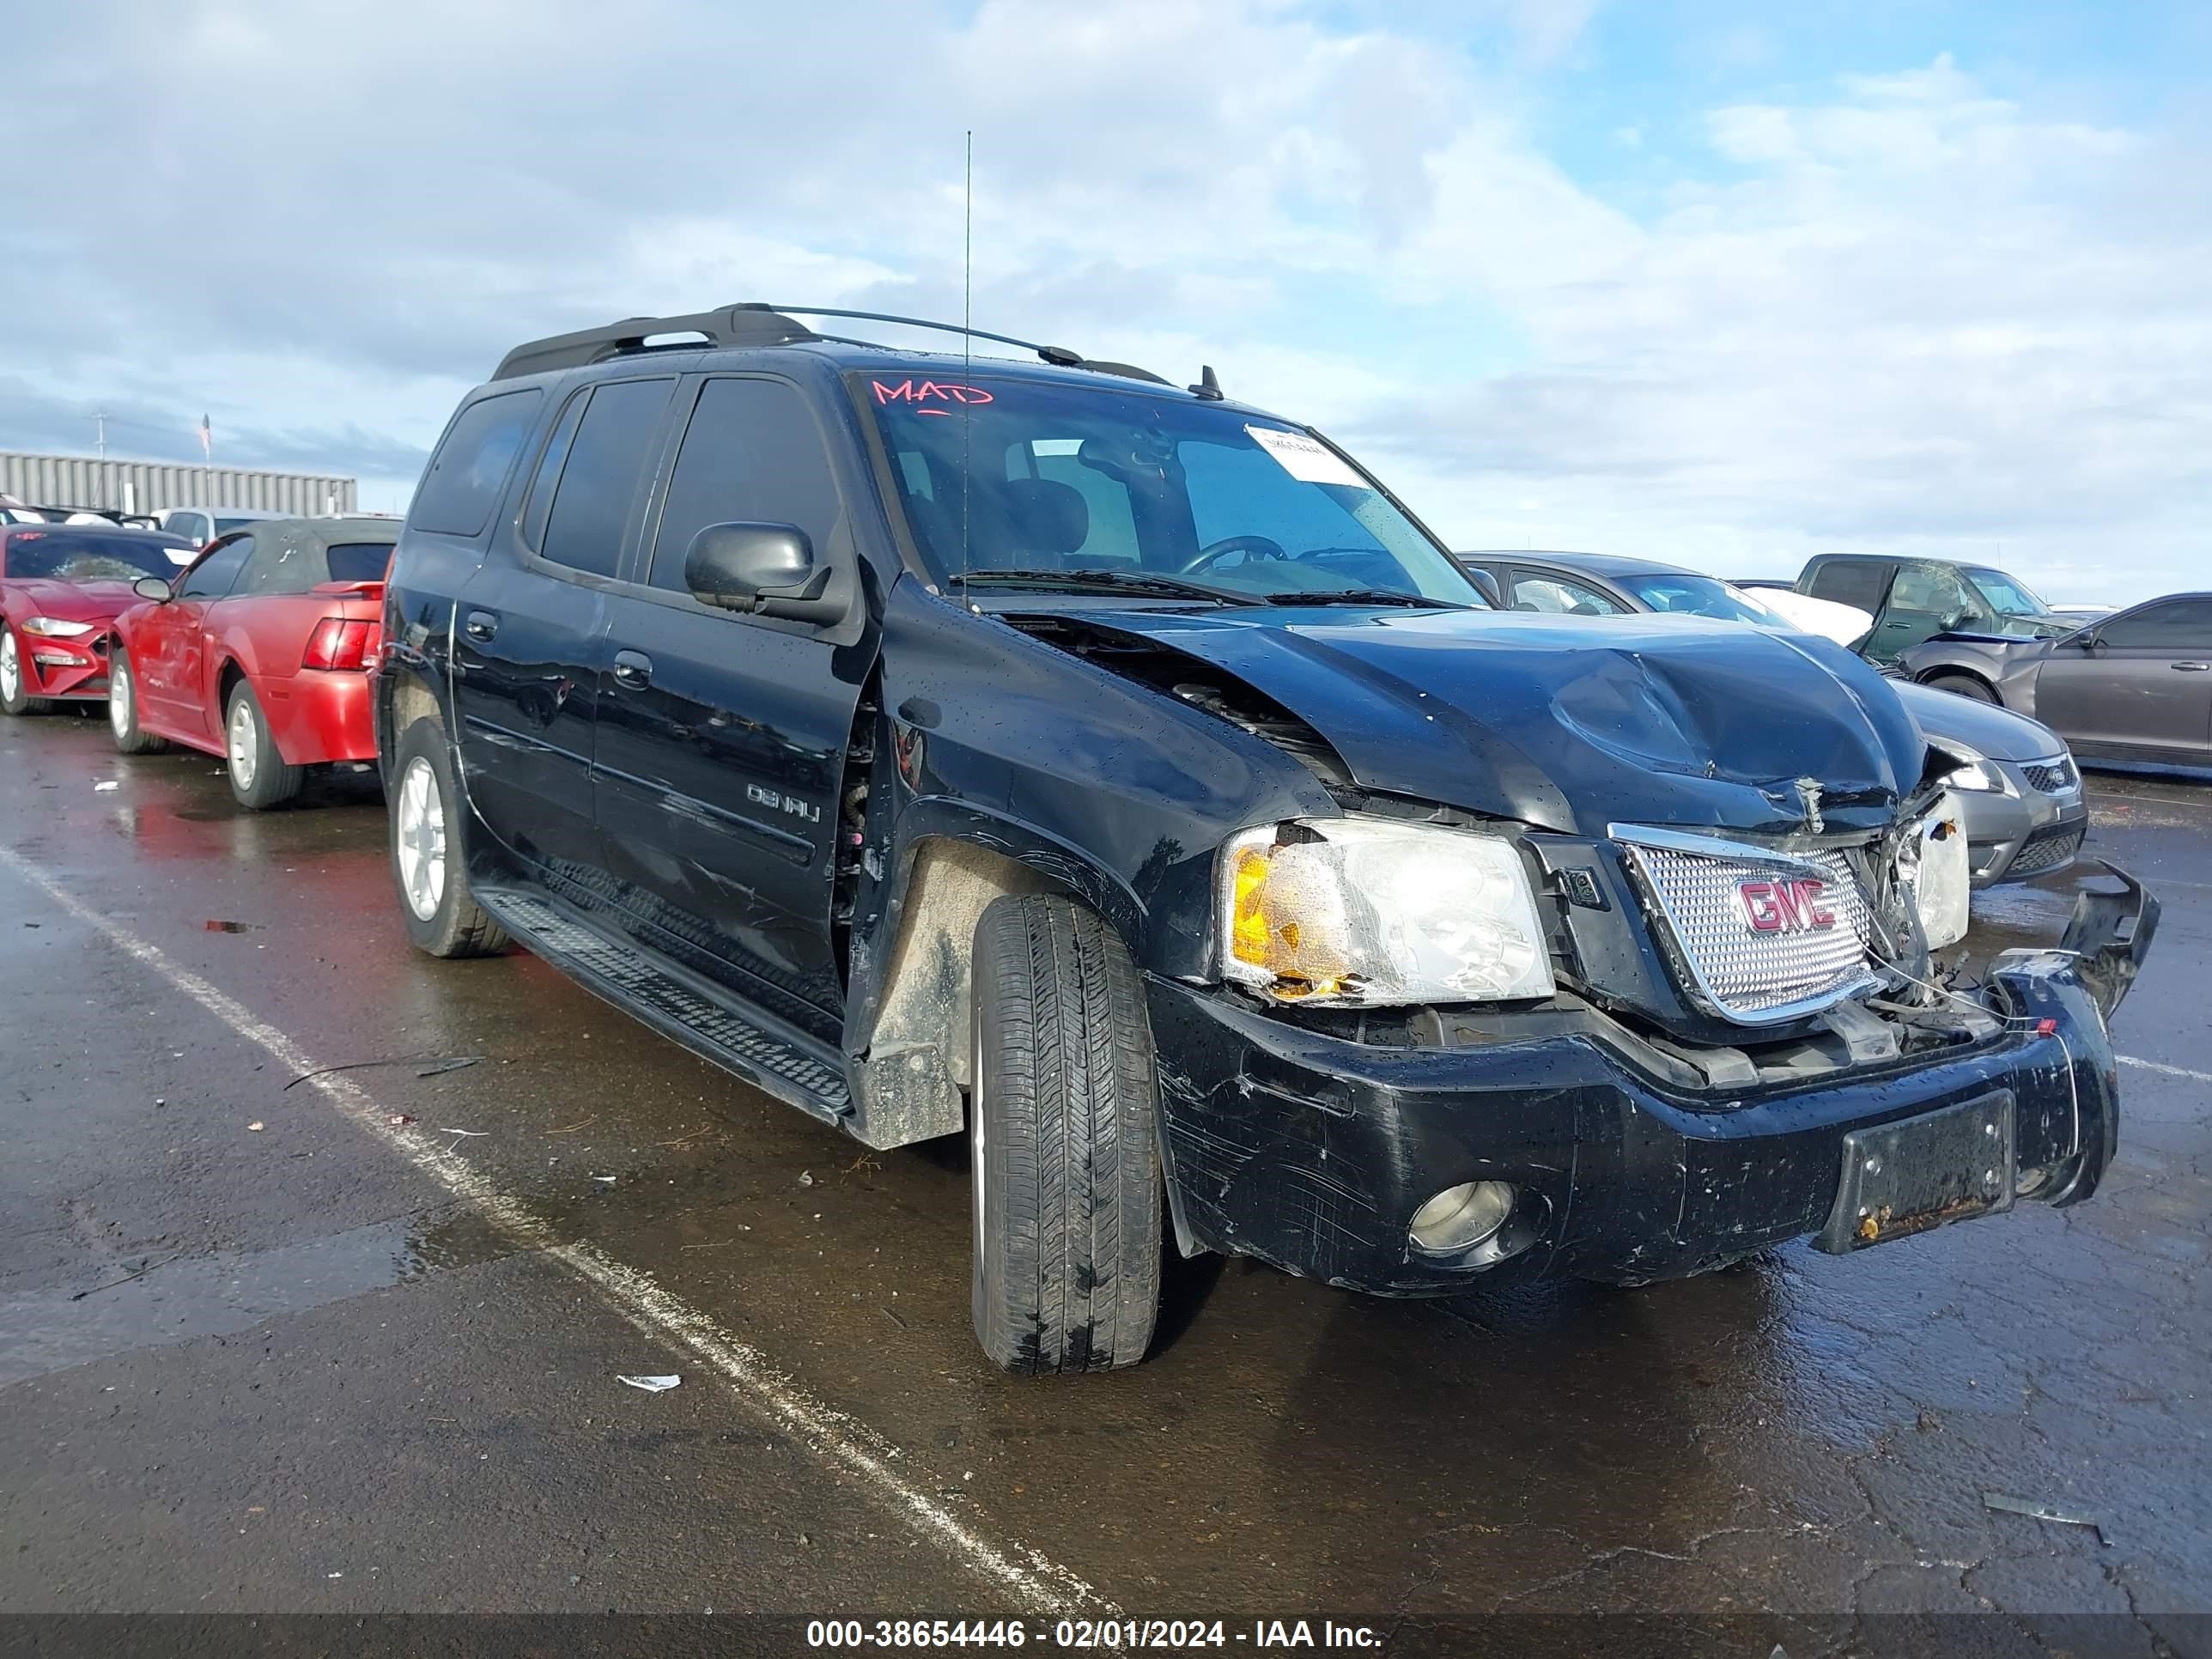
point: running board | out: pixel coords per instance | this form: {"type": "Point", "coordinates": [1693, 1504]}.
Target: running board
{"type": "Point", "coordinates": [761, 1050]}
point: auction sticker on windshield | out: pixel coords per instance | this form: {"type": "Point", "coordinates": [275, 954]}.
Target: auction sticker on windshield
{"type": "Point", "coordinates": [1303, 458]}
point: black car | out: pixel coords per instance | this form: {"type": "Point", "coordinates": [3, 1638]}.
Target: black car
{"type": "Point", "coordinates": [1916, 599]}
{"type": "Point", "coordinates": [1121, 773]}
{"type": "Point", "coordinates": [2018, 792]}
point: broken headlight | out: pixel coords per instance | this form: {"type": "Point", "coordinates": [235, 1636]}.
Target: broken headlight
{"type": "Point", "coordinates": [1934, 866]}
{"type": "Point", "coordinates": [1374, 911]}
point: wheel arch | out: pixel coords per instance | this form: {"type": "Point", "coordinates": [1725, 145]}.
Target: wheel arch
{"type": "Point", "coordinates": [913, 970]}
{"type": "Point", "coordinates": [1953, 671]}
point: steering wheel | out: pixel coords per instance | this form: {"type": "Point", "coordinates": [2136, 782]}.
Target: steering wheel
{"type": "Point", "coordinates": [1260, 547]}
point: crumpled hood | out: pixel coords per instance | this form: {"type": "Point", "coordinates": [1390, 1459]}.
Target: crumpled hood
{"type": "Point", "coordinates": [1570, 723]}
{"type": "Point", "coordinates": [92, 602]}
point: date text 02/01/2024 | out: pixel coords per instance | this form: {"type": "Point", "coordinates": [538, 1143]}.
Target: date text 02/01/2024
{"type": "Point", "coordinates": [1101, 1634]}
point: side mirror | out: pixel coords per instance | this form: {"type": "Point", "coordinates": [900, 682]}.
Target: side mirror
{"type": "Point", "coordinates": [765, 568]}
{"type": "Point", "coordinates": [154, 588]}
{"type": "Point", "coordinates": [1485, 584]}
{"type": "Point", "coordinates": [2089, 641]}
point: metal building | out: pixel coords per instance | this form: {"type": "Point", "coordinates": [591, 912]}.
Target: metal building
{"type": "Point", "coordinates": [150, 486]}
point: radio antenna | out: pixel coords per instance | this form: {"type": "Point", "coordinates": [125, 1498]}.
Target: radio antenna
{"type": "Point", "coordinates": [967, 342]}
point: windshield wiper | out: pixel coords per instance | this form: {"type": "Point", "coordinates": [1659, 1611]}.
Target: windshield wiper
{"type": "Point", "coordinates": [1107, 581]}
{"type": "Point", "coordinates": [1365, 596]}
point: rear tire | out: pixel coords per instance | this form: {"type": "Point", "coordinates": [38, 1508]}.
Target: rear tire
{"type": "Point", "coordinates": [1964, 685]}
{"type": "Point", "coordinates": [123, 709]}
{"type": "Point", "coordinates": [430, 861]}
{"type": "Point", "coordinates": [12, 698]}
{"type": "Point", "coordinates": [259, 778]}
{"type": "Point", "coordinates": [1064, 1124]}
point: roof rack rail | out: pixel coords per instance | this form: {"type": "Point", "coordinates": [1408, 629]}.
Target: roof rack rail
{"type": "Point", "coordinates": [1059, 356]}
{"type": "Point", "coordinates": [752, 323]}
{"type": "Point", "coordinates": [730, 325]}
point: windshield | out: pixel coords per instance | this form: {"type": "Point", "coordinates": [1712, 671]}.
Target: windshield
{"type": "Point", "coordinates": [2007, 595]}
{"type": "Point", "coordinates": [89, 556]}
{"type": "Point", "coordinates": [1698, 596]}
{"type": "Point", "coordinates": [1066, 478]}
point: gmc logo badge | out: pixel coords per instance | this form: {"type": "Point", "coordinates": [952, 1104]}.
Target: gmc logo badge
{"type": "Point", "coordinates": [1786, 906]}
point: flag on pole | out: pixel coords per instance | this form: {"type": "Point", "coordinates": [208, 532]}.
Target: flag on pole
{"type": "Point", "coordinates": [207, 440]}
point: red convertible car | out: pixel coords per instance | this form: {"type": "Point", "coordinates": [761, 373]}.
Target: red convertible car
{"type": "Point", "coordinates": [61, 586]}
{"type": "Point", "coordinates": [258, 652]}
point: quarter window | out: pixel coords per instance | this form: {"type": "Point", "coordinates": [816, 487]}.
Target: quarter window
{"type": "Point", "coordinates": [599, 479]}
{"type": "Point", "coordinates": [468, 473]}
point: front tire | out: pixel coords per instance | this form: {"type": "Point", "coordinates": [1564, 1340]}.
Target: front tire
{"type": "Point", "coordinates": [14, 700]}
{"type": "Point", "coordinates": [1963, 685]}
{"type": "Point", "coordinates": [428, 861]}
{"type": "Point", "coordinates": [123, 709]}
{"type": "Point", "coordinates": [1064, 1124]}
{"type": "Point", "coordinates": [259, 778]}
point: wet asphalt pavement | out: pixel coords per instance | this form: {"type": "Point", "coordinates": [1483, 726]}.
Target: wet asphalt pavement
{"type": "Point", "coordinates": [334, 1364]}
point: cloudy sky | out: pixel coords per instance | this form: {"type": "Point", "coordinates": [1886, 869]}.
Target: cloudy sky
{"type": "Point", "coordinates": [1724, 281]}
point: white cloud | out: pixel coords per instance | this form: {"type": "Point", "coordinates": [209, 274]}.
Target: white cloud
{"type": "Point", "coordinates": [1910, 313]}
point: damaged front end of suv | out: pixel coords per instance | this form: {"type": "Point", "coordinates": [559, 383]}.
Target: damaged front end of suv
{"type": "Point", "coordinates": [1580, 973]}
{"type": "Point", "coordinates": [1472, 945]}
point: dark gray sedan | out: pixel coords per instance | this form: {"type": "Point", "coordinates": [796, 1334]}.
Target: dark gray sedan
{"type": "Point", "coordinates": [2020, 789]}
{"type": "Point", "coordinates": [2134, 686]}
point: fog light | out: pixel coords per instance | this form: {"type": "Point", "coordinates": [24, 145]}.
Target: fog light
{"type": "Point", "coordinates": [1460, 1218]}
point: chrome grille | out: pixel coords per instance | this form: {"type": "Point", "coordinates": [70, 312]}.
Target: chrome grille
{"type": "Point", "coordinates": [2050, 775]}
{"type": "Point", "coordinates": [1729, 965]}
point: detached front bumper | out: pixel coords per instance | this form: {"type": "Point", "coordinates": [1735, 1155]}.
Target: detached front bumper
{"type": "Point", "coordinates": [1313, 1152]}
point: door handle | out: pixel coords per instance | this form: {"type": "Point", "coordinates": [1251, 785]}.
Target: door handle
{"type": "Point", "coordinates": [2189, 667]}
{"type": "Point", "coordinates": [481, 625]}
{"type": "Point", "coordinates": [633, 669]}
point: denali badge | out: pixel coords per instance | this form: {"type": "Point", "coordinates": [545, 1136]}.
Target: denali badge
{"type": "Point", "coordinates": [1786, 906]}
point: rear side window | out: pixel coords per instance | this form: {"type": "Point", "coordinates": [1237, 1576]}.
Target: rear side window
{"type": "Point", "coordinates": [2176, 625]}
{"type": "Point", "coordinates": [1851, 584]}
{"type": "Point", "coordinates": [211, 578]}
{"type": "Point", "coordinates": [751, 454]}
{"type": "Point", "coordinates": [591, 503]}
{"type": "Point", "coordinates": [469, 472]}
{"type": "Point", "coordinates": [358, 561]}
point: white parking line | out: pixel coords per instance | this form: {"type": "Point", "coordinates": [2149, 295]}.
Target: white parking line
{"type": "Point", "coordinates": [1040, 1585]}
{"type": "Point", "coordinates": [2164, 1070]}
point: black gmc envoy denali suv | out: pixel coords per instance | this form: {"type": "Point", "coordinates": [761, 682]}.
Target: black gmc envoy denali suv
{"type": "Point", "coordinates": [1122, 773]}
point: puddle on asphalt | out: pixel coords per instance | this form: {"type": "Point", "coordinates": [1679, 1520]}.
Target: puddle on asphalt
{"type": "Point", "coordinates": [182, 1300]}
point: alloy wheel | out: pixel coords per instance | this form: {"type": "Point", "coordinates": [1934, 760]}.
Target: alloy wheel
{"type": "Point", "coordinates": [419, 838]}
{"type": "Point", "coordinates": [244, 745]}
{"type": "Point", "coordinates": [119, 698]}
{"type": "Point", "coordinates": [11, 668]}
